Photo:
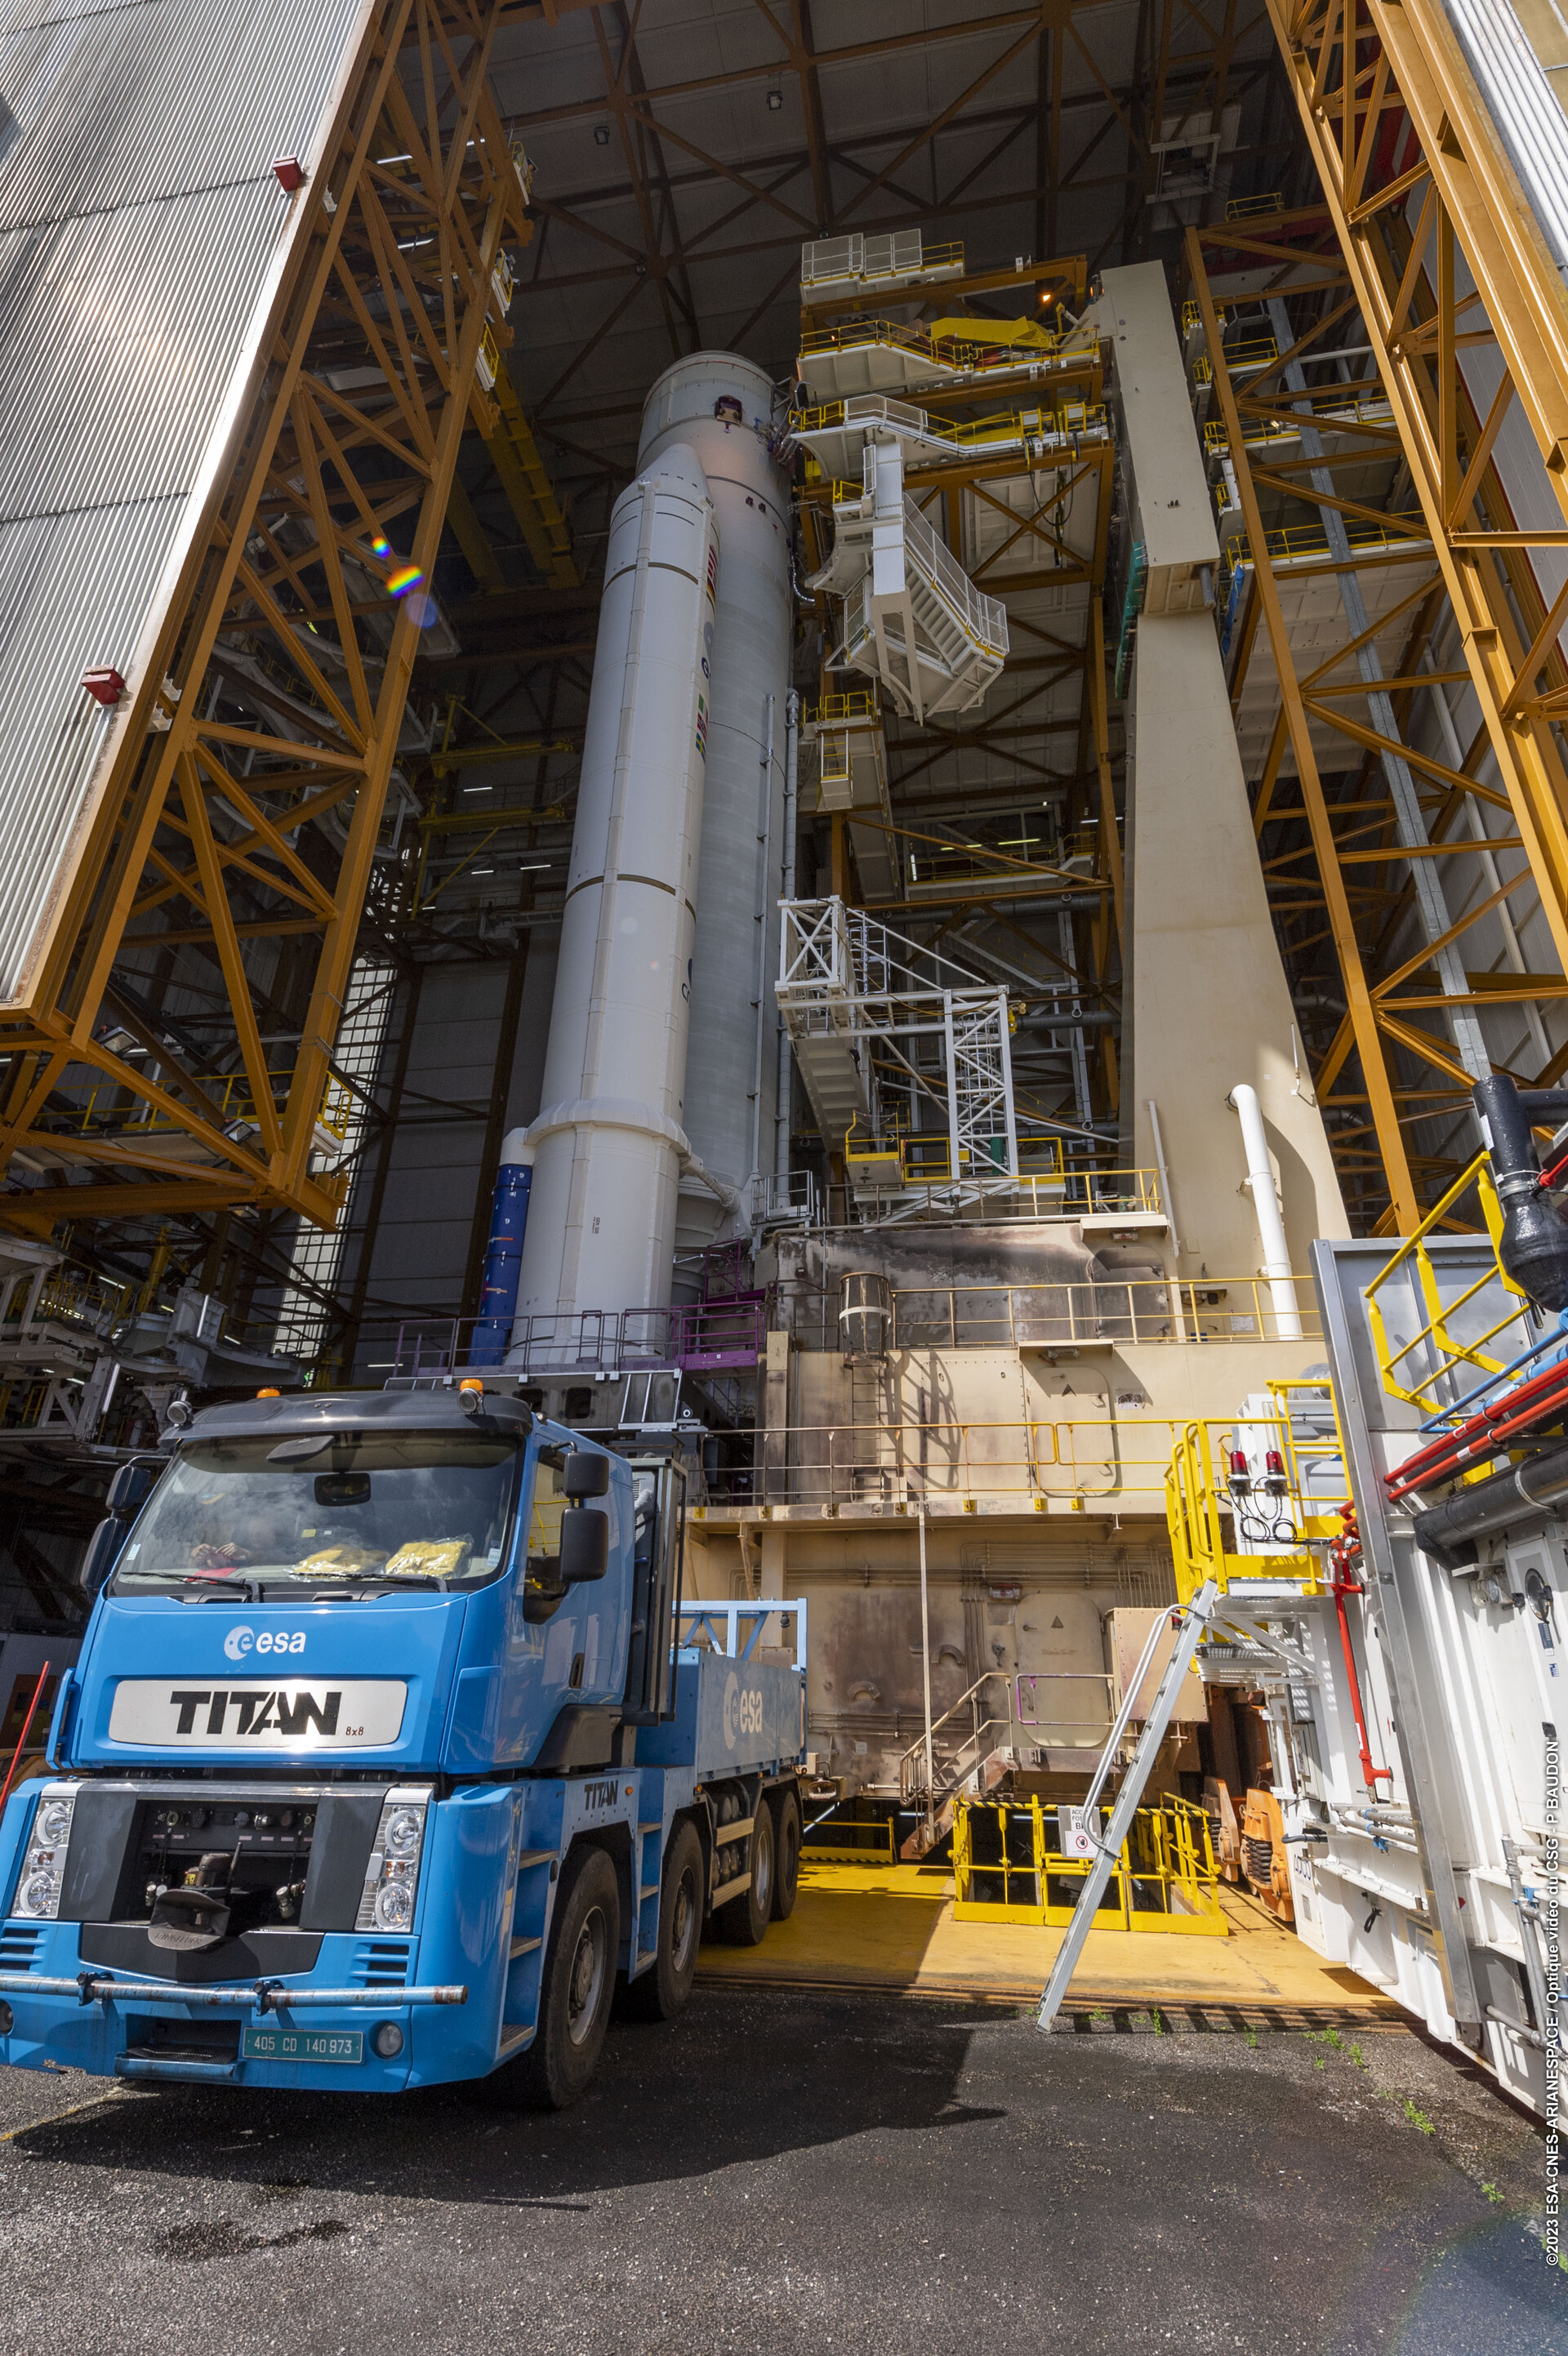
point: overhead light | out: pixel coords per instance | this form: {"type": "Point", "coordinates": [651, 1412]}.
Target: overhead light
{"type": "Point", "coordinates": [775, 101]}
{"type": "Point", "coordinates": [533, 866]}
{"type": "Point", "coordinates": [481, 870]}
{"type": "Point", "coordinates": [479, 790]}
{"type": "Point", "coordinates": [601, 134]}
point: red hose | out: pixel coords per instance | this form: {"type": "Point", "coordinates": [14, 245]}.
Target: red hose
{"type": "Point", "coordinates": [22, 1738]}
{"type": "Point", "coordinates": [1341, 1554]}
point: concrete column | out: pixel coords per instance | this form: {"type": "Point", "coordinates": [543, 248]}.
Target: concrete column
{"type": "Point", "coordinates": [1206, 1003]}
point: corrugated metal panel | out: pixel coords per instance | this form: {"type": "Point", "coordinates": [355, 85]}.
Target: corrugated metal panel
{"type": "Point", "coordinates": [145, 226]}
{"type": "Point", "coordinates": [146, 101]}
{"type": "Point", "coordinates": [1525, 110]}
{"type": "Point", "coordinates": [73, 590]}
{"type": "Point", "coordinates": [112, 400]}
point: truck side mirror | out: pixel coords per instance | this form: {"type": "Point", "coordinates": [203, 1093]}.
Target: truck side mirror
{"type": "Point", "coordinates": [102, 1551]}
{"type": "Point", "coordinates": [133, 1485]}
{"type": "Point", "coordinates": [586, 1473]}
{"type": "Point", "coordinates": [128, 1492]}
{"type": "Point", "coordinates": [584, 1545]}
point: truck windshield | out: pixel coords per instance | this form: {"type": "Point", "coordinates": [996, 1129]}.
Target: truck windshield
{"type": "Point", "coordinates": [426, 1508]}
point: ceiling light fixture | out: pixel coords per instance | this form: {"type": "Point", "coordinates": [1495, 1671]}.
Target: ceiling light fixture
{"type": "Point", "coordinates": [601, 134]}
{"type": "Point", "coordinates": [775, 101]}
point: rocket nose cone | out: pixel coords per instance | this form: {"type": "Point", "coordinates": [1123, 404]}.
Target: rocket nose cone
{"type": "Point", "coordinates": [681, 462]}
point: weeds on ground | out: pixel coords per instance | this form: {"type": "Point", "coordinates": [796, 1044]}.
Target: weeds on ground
{"type": "Point", "coordinates": [1157, 2024]}
{"type": "Point", "coordinates": [1251, 2035]}
{"type": "Point", "coordinates": [1417, 2118]}
{"type": "Point", "coordinates": [1493, 2195]}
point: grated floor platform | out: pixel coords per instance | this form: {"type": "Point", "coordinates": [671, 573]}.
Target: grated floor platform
{"type": "Point", "coordinates": [892, 1928]}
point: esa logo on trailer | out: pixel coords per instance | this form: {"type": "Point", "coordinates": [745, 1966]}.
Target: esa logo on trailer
{"type": "Point", "coordinates": [240, 1641]}
{"type": "Point", "coordinates": [743, 1710]}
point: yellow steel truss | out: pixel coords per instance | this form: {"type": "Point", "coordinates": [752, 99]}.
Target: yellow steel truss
{"type": "Point", "coordinates": [1361, 71]}
{"type": "Point", "coordinates": [366, 376]}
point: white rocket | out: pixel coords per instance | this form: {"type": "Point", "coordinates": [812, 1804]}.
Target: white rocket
{"type": "Point", "coordinates": [720, 407]}
{"type": "Point", "coordinates": [653, 1064]}
{"type": "Point", "coordinates": [608, 1144]}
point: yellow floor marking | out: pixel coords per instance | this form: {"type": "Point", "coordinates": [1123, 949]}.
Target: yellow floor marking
{"type": "Point", "coordinates": [893, 1927]}
{"type": "Point", "coordinates": [72, 2110]}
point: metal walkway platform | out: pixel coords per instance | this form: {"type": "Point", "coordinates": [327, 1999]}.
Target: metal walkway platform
{"type": "Point", "coordinates": [891, 1929]}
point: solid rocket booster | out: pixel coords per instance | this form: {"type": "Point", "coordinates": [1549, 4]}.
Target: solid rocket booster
{"type": "Point", "coordinates": [720, 406]}
{"type": "Point", "coordinates": [609, 1143]}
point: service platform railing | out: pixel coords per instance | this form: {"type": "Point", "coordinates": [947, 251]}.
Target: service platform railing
{"type": "Point", "coordinates": [696, 1337]}
{"type": "Point", "coordinates": [1133, 1310]}
{"type": "Point", "coordinates": [1251, 1503]}
{"type": "Point", "coordinates": [1439, 1332]}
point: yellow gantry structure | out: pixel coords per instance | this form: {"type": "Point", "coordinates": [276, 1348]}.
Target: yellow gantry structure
{"type": "Point", "coordinates": [256, 671]}
{"type": "Point", "coordinates": [1442, 249]}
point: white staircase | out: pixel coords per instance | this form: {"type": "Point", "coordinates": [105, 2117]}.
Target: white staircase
{"type": "Point", "coordinates": [863, 1007]}
{"type": "Point", "coordinates": [912, 617]}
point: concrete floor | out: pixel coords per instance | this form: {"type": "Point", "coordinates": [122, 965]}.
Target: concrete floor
{"type": "Point", "coordinates": [794, 2171]}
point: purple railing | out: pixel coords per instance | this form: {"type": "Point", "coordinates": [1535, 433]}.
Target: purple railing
{"type": "Point", "coordinates": [700, 1337]}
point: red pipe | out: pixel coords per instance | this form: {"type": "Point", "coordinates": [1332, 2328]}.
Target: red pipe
{"type": "Point", "coordinates": [1528, 1402]}
{"type": "Point", "coordinates": [1340, 1556]}
{"type": "Point", "coordinates": [22, 1738]}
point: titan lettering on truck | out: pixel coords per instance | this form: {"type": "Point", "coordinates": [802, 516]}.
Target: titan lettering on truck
{"type": "Point", "coordinates": [394, 1751]}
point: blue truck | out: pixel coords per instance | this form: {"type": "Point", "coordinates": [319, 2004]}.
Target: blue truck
{"type": "Point", "coordinates": [393, 1755]}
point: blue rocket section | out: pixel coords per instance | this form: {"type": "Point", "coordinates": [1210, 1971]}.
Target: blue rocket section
{"type": "Point", "coordinates": [503, 1261]}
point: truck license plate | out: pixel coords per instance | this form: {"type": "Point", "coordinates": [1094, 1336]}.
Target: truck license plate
{"type": "Point", "coordinates": [304, 2045]}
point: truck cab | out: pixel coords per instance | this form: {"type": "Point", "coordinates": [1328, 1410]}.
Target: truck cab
{"type": "Point", "coordinates": [381, 1748]}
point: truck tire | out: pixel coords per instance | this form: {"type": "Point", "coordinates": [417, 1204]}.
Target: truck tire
{"type": "Point", "coordinates": [661, 1991]}
{"type": "Point", "coordinates": [743, 1919]}
{"type": "Point", "coordinates": [578, 1985]}
{"type": "Point", "coordinates": [785, 1803]}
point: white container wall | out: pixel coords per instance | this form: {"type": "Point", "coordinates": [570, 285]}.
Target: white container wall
{"type": "Point", "coordinates": [609, 1142]}
{"type": "Point", "coordinates": [721, 407]}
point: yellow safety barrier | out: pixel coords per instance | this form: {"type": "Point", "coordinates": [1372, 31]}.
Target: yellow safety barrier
{"type": "Point", "coordinates": [1275, 1507]}
{"type": "Point", "coordinates": [1457, 1328]}
{"type": "Point", "coordinates": [873, 1843]}
{"type": "Point", "coordinates": [1009, 1867]}
{"type": "Point", "coordinates": [231, 1092]}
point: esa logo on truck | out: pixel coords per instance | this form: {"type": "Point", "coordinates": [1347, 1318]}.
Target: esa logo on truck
{"type": "Point", "coordinates": [743, 1710]}
{"type": "Point", "coordinates": [240, 1641]}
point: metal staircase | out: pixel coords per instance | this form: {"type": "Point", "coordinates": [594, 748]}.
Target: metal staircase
{"type": "Point", "coordinates": [968, 1744]}
{"type": "Point", "coordinates": [912, 617]}
{"type": "Point", "coordinates": [892, 1039]}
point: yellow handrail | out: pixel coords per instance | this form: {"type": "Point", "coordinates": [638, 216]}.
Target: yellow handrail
{"type": "Point", "coordinates": [1440, 1332]}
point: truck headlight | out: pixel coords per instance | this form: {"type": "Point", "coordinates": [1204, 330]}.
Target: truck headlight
{"type": "Point", "coordinates": [392, 1877]}
{"type": "Point", "coordinates": [43, 1864]}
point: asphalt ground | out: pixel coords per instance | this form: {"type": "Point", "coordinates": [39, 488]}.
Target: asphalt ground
{"type": "Point", "coordinates": [790, 2171]}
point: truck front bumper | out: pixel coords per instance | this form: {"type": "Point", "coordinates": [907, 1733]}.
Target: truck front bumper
{"type": "Point", "coordinates": [264, 1996]}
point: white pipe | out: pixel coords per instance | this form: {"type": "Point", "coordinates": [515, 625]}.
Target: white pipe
{"type": "Point", "coordinates": [1164, 1174]}
{"type": "Point", "coordinates": [786, 892]}
{"type": "Point", "coordinates": [1243, 1102]}
{"type": "Point", "coordinates": [764, 861]}
{"type": "Point", "coordinates": [926, 1671]}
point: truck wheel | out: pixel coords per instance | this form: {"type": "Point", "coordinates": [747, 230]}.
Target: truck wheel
{"type": "Point", "coordinates": [745, 1919]}
{"type": "Point", "coordinates": [785, 1802]}
{"type": "Point", "coordinates": [578, 1985]}
{"type": "Point", "coordinates": [663, 1990]}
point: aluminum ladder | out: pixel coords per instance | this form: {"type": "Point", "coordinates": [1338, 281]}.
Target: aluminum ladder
{"type": "Point", "coordinates": [1182, 1631]}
